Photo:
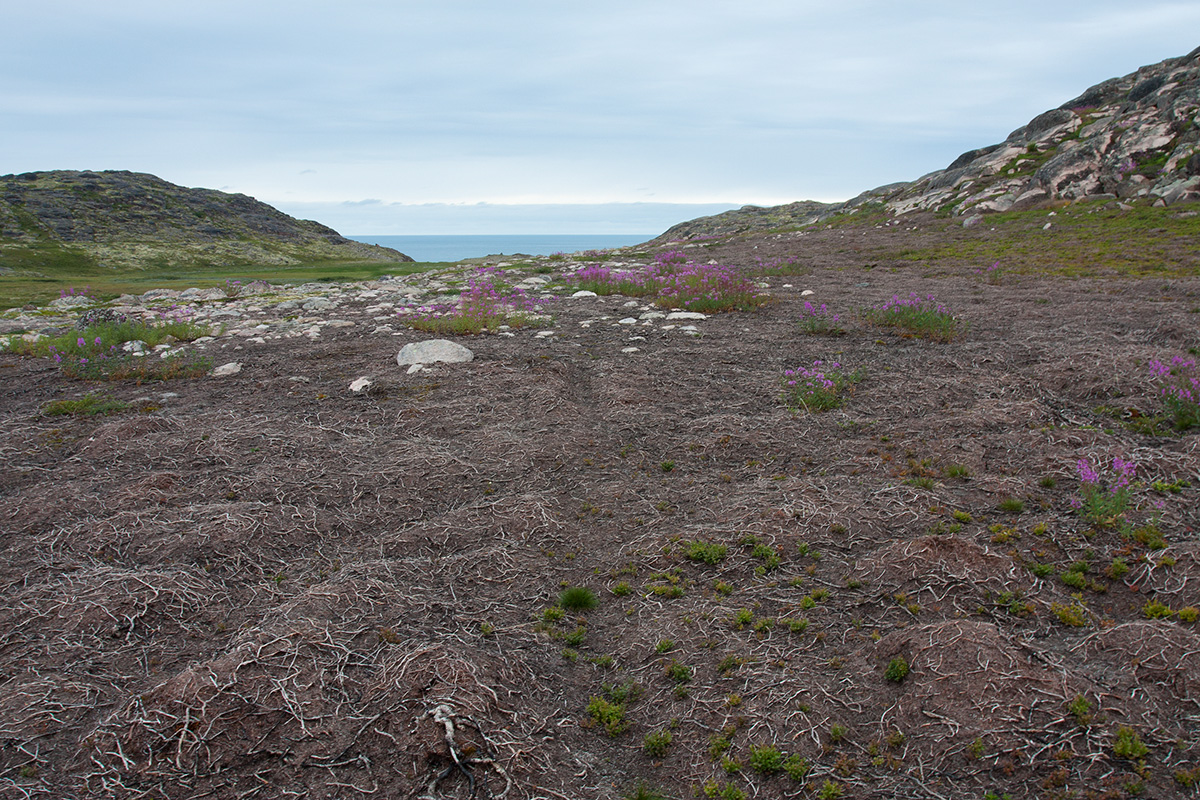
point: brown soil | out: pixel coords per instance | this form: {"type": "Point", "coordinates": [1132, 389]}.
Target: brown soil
{"type": "Point", "coordinates": [268, 587]}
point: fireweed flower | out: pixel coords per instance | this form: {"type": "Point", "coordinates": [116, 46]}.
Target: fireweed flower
{"type": "Point", "coordinates": [1179, 388]}
{"type": "Point", "coordinates": [1104, 502]}
{"type": "Point", "coordinates": [816, 388]}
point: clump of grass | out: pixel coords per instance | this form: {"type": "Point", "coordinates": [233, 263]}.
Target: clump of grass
{"type": "Point", "coordinates": [819, 387]}
{"type": "Point", "coordinates": [922, 317]}
{"type": "Point", "coordinates": [578, 598]}
{"type": "Point", "coordinates": [98, 351]}
{"type": "Point", "coordinates": [89, 405]}
{"type": "Point", "coordinates": [1012, 505]}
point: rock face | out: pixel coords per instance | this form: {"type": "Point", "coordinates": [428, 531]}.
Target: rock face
{"type": "Point", "coordinates": [111, 216]}
{"type": "Point", "coordinates": [1130, 138]}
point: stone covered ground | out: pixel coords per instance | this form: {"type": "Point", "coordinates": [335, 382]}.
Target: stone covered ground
{"type": "Point", "coordinates": [268, 585]}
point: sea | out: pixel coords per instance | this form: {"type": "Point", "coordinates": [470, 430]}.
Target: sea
{"type": "Point", "coordinates": [456, 248]}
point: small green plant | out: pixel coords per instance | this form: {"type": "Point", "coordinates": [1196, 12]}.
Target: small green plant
{"type": "Point", "coordinates": [722, 588]}
{"type": "Point", "coordinates": [708, 552]}
{"type": "Point", "coordinates": [487, 629]}
{"type": "Point", "coordinates": [645, 792]}
{"type": "Point", "coordinates": [723, 791]}
{"type": "Point", "coordinates": [958, 471]}
{"type": "Point", "coordinates": [607, 714]}
{"type": "Point", "coordinates": [1117, 569]}
{"type": "Point", "coordinates": [977, 748]}
{"type": "Point", "coordinates": [1128, 744]}
{"type": "Point", "coordinates": [1081, 709]}
{"type": "Point", "coordinates": [795, 625]}
{"type": "Point", "coordinates": [830, 790]}
{"type": "Point", "coordinates": [664, 646]}
{"type": "Point", "coordinates": [656, 743]}
{"type": "Point", "coordinates": [622, 588]}
{"type": "Point", "coordinates": [796, 767]}
{"type": "Point", "coordinates": [1072, 614]}
{"type": "Point", "coordinates": [1042, 570]}
{"type": "Point", "coordinates": [1156, 610]}
{"type": "Point", "coordinates": [961, 516]}
{"type": "Point", "coordinates": [766, 554]}
{"type": "Point", "coordinates": [838, 733]}
{"type": "Point", "coordinates": [1188, 614]}
{"type": "Point", "coordinates": [743, 618]}
{"type": "Point", "coordinates": [766, 759]}
{"type": "Point", "coordinates": [679, 673]}
{"type": "Point", "coordinates": [667, 466]}
{"type": "Point", "coordinates": [897, 670]}
{"type": "Point", "coordinates": [578, 598]}
{"type": "Point", "coordinates": [553, 613]}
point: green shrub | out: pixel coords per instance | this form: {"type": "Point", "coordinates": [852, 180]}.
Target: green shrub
{"type": "Point", "coordinates": [656, 743]}
{"type": "Point", "coordinates": [766, 759]}
{"type": "Point", "coordinates": [897, 670]}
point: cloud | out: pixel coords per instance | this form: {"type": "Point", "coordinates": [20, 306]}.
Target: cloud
{"type": "Point", "coordinates": [532, 102]}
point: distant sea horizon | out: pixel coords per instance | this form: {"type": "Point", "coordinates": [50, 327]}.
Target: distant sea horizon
{"type": "Point", "coordinates": [456, 248]}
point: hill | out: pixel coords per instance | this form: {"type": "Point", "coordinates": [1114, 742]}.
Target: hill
{"type": "Point", "coordinates": [1134, 140]}
{"type": "Point", "coordinates": [129, 220]}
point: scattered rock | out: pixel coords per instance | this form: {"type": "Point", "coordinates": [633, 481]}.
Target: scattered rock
{"type": "Point", "coordinates": [232, 368]}
{"type": "Point", "coordinates": [72, 301]}
{"type": "Point", "coordinates": [360, 384]}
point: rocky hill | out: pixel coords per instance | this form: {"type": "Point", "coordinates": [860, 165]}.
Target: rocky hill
{"type": "Point", "coordinates": [129, 219]}
{"type": "Point", "coordinates": [1130, 139]}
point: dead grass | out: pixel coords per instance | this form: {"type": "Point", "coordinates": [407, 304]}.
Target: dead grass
{"type": "Point", "coordinates": [272, 588]}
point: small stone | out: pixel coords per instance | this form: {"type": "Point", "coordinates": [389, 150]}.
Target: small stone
{"type": "Point", "coordinates": [232, 368]}
{"type": "Point", "coordinates": [807, 293]}
{"type": "Point", "coordinates": [629, 349]}
{"type": "Point", "coordinates": [674, 315]}
{"type": "Point", "coordinates": [627, 321]}
{"type": "Point", "coordinates": [359, 384]}
{"type": "Point", "coordinates": [584, 293]}
{"type": "Point", "coordinates": [415, 368]}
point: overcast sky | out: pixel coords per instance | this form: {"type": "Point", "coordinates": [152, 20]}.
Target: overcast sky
{"type": "Point", "coordinates": [385, 116]}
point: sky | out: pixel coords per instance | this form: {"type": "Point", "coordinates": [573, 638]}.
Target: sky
{"type": "Point", "coordinates": [531, 116]}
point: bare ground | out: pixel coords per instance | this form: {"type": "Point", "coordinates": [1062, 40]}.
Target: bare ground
{"type": "Point", "coordinates": [267, 587]}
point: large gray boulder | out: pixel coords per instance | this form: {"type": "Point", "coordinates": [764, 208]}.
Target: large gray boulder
{"type": "Point", "coordinates": [433, 350]}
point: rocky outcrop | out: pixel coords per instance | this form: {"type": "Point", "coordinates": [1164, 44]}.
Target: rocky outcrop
{"type": "Point", "coordinates": [117, 217]}
{"type": "Point", "coordinates": [1133, 139]}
